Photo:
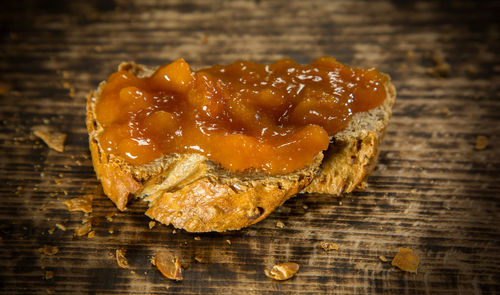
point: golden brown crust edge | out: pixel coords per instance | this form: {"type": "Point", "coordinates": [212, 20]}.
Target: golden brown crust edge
{"type": "Point", "coordinates": [208, 204]}
{"type": "Point", "coordinates": [117, 184]}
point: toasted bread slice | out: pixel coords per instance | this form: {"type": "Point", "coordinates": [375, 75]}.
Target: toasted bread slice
{"type": "Point", "coordinates": [192, 192]}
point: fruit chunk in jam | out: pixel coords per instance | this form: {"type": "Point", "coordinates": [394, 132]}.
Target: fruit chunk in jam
{"type": "Point", "coordinates": [273, 118]}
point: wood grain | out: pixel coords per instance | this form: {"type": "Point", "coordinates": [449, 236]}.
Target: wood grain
{"type": "Point", "coordinates": [431, 191]}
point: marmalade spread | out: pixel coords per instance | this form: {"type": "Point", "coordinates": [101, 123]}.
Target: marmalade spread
{"type": "Point", "coordinates": [273, 118]}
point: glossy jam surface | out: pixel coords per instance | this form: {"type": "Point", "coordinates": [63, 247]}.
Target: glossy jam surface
{"type": "Point", "coordinates": [274, 118]}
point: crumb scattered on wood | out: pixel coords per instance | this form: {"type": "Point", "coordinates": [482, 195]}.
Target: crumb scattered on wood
{"type": "Point", "coordinates": [445, 111]}
{"type": "Point", "coordinates": [280, 224]}
{"type": "Point", "coordinates": [168, 264]}
{"type": "Point", "coordinates": [152, 224]}
{"type": "Point", "coordinates": [109, 216]}
{"type": "Point", "coordinates": [228, 241]}
{"type": "Point", "coordinates": [83, 229]}
{"type": "Point", "coordinates": [382, 258]}
{"type": "Point", "coordinates": [53, 139]}
{"type": "Point", "coordinates": [51, 230]}
{"type": "Point", "coordinates": [204, 39]}
{"type": "Point", "coordinates": [406, 260]}
{"type": "Point", "coordinates": [282, 271]}
{"type": "Point", "coordinates": [121, 259]}
{"type": "Point", "coordinates": [441, 67]}
{"type": "Point", "coordinates": [4, 88]}
{"type": "Point", "coordinates": [197, 238]}
{"type": "Point", "coordinates": [199, 259]}
{"type": "Point", "coordinates": [49, 274]}
{"type": "Point", "coordinates": [60, 226]}
{"type": "Point", "coordinates": [481, 142]}
{"type": "Point", "coordinates": [327, 246]}
{"type": "Point", "coordinates": [91, 234]}
{"type": "Point", "coordinates": [49, 250]}
{"type": "Point", "coordinates": [72, 92]}
{"type": "Point", "coordinates": [80, 204]}
{"type": "Point", "coordinates": [305, 207]}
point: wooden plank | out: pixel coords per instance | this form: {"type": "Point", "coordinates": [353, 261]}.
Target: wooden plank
{"type": "Point", "coordinates": [432, 191]}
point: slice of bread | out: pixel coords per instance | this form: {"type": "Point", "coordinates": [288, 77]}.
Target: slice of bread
{"type": "Point", "coordinates": [192, 192]}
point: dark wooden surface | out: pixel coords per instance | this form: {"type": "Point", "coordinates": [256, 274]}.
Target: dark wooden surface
{"type": "Point", "coordinates": [432, 191]}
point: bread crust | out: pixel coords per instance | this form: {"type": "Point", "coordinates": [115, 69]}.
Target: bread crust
{"type": "Point", "coordinates": [353, 153]}
{"type": "Point", "coordinates": [192, 192]}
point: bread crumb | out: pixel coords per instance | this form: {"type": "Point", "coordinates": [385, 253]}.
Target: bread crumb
{"type": "Point", "coordinates": [228, 241]}
{"type": "Point", "coordinates": [91, 234]}
{"type": "Point", "coordinates": [441, 67]}
{"type": "Point", "coordinates": [382, 258]}
{"type": "Point", "coordinates": [49, 250]}
{"type": "Point", "coordinates": [327, 246]}
{"type": "Point", "coordinates": [54, 140]}
{"type": "Point", "coordinates": [174, 231]}
{"type": "Point", "coordinates": [152, 224]}
{"type": "Point", "coordinates": [445, 111]}
{"type": "Point", "coordinates": [111, 231]}
{"type": "Point", "coordinates": [72, 92]}
{"type": "Point", "coordinates": [51, 230]}
{"type": "Point", "coordinates": [80, 204]}
{"type": "Point", "coordinates": [406, 260]}
{"type": "Point", "coordinates": [280, 224]}
{"type": "Point", "coordinates": [60, 226]}
{"type": "Point", "coordinates": [109, 216]}
{"type": "Point", "coordinates": [49, 274]}
{"type": "Point", "coordinates": [481, 142]}
{"type": "Point", "coordinates": [132, 272]}
{"type": "Point", "coordinates": [305, 207]}
{"type": "Point", "coordinates": [282, 271]}
{"type": "Point", "coordinates": [168, 264]}
{"type": "Point", "coordinates": [200, 260]}
{"type": "Point", "coordinates": [197, 238]}
{"type": "Point", "coordinates": [121, 259]}
{"type": "Point", "coordinates": [83, 229]}
{"type": "Point", "coordinates": [4, 88]}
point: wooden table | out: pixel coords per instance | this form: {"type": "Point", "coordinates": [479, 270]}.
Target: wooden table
{"type": "Point", "coordinates": [432, 190]}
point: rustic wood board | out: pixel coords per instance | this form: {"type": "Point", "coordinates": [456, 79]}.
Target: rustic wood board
{"type": "Point", "coordinates": [431, 191]}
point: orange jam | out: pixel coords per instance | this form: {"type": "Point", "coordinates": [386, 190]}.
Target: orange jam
{"type": "Point", "coordinates": [273, 118]}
